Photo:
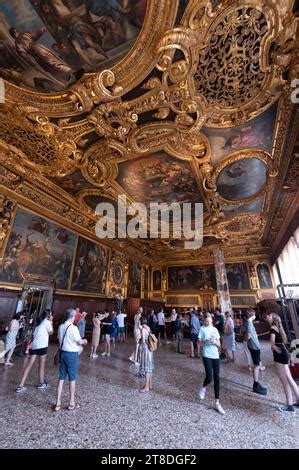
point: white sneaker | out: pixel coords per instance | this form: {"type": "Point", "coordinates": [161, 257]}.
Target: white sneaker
{"type": "Point", "coordinates": [95, 356]}
{"type": "Point", "coordinates": [219, 408]}
{"type": "Point", "coordinates": [202, 393]}
{"type": "Point", "coordinates": [262, 368]}
{"type": "Point", "coordinates": [103, 354]}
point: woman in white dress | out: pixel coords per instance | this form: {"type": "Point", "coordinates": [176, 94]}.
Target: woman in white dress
{"type": "Point", "coordinates": [146, 356]}
{"type": "Point", "coordinates": [11, 338]}
{"type": "Point", "coordinates": [228, 338]}
{"type": "Point", "coordinates": [137, 333]}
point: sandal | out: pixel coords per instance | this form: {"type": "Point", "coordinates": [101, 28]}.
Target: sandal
{"type": "Point", "coordinates": [57, 408]}
{"type": "Point", "coordinates": [73, 407]}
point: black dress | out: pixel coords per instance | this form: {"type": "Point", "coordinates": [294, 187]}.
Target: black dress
{"type": "Point", "coordinates": [282, 358]}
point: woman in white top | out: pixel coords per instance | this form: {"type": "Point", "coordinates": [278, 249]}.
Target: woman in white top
{"type": "Point", "coordinates": [228, 338]}
{"type": "Point", "coordinates": [209, 338]}
{"type": "Point", "coordinates": [11, 338]}
{"type": "Point", "coordinates": [39, 347]}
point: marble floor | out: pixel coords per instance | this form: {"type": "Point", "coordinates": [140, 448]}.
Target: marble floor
{"type": "Point", "coordinates": [114, 415]}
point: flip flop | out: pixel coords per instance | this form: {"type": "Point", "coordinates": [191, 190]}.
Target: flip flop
{"type": "Point", "coordinates": [73, 407]}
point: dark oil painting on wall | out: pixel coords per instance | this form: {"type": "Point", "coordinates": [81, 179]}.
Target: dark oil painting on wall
{"type": "Point", "coordinates": [191, 277]}
{"type": "Point", "coordinates": [145, 280]}
{"type": "Point", "coordinates": [37, 246]}
{"type": "Point", "coordinates": [237, 276]}
{"type": "Point", "coordinates": [91, 267]}
{"type": "Point", "coordinates": [157, 280]}
{"type": "Point", "coordinates": [264, 276]}
{"type": "Point", "coordinates": [134, 280]}
{"type": "Point", "coordinates": [48, 44]}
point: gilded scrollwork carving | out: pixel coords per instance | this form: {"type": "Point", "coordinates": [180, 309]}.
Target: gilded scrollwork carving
{"type": "Point", "coordinates": [42, 145]}
{"type": "Point", "coordinates": [7, 208]}
{"type": "Point", "coordinates": [245, 50]}
{"type": "Point", "coordinates": [221, 67]}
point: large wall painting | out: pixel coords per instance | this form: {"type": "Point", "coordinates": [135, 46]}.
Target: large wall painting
{"type": "Point", "coordinates": [191, 277]}
{"type": "Point", "coordinates": [237, 276]}
{"type": "Point", "coordinates": [145, 279]}
{"type": "Point", "coordinates": [47, 45]}
{"type": "Point", "coordinates": [37, 246]}
{"type": "Point", "coordinates": [256, 133]}
{"type": "Point", "coordinates": [159, 178]}
{"type": "Point", "coordinates": [134, 280]}
{"type": "Point", "coordinates": [157, 280]}
{"type": "Point", "coordinates": [264, 276]}
{"type": "Point", "coordinates": [91, 267]}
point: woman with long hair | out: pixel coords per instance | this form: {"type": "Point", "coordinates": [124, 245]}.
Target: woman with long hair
{"type": "Point", "coordinates": [11, 338]}
{"type": "Point", "coordinates": [145, 356]}
{"type": "Point", "coordinates": [137, 334]}
{"type": "Point", "coordinates": [96, 332]}
{"type": "Point", "coordinates": [228, 338]}
{"type": "Point", "coordinates": [209, 338]}
{"type": "Point", "coordinates": [278, 339]}
{"type": "Point", "coordinates": [39, 347]}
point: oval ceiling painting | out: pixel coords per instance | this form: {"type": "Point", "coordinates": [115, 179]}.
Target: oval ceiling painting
{"type": "Point", "coordinates": [46, 45]}
{"type": "Point", "coordinates": [242, 179]}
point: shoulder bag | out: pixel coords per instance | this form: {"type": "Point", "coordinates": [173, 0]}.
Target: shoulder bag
{"type": "Point", "coordinates": [57, 355]}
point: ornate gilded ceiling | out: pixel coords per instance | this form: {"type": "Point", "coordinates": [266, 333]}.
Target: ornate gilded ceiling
{"type": "Point", "coordinates": [160, 100]}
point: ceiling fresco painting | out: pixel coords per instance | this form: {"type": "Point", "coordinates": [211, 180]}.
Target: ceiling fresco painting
{"type": "Point", "coordinates": [152, 99]}
{"type": "Point", "coordinates": [159, 178]}
{"type": "Point", "coordinates": [73, 183]}
{"type": "Point", "coordinates": [253, 207]}
{"type": "Point", "coordinates": [257, 133]}
{"type": "Point", "coordinates": [47, 45]}
{"type": "Point", "coordinates": [92, 201]}
{"type": "Point", "coordinates": [241, 179]}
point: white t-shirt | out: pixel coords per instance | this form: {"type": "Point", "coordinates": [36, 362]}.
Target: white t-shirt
{"type": "Point", "coordinates": [209, 350]}
{"type": "Point", "coordinates": [70, 343]}
{"type": "Point", "coordinates": [121, 319]}
{"type": "Point", "coordinates": [41, 335]}
{"type": "Point", "coordinates": [161, 318]}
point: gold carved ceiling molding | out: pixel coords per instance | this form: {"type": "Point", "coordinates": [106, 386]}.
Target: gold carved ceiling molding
{"type": "Point", "coordinates": [184, 84]}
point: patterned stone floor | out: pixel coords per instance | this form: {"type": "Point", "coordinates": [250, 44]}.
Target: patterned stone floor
{"type": "Point", "coordinates": [114, 415]}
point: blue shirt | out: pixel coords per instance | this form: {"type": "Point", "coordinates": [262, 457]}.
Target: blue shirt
{"type": "Point", "coordinates": [253, 342]}
{"type": "Point", "coordinates": [195, 325]}
{"type": "Point", "coordinates": [209, 350]}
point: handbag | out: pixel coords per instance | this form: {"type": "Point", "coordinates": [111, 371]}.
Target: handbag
{"type": "Point", "coordinates": [57, 355]}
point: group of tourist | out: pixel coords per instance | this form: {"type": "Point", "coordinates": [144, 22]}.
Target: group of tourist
{"type": "Point", "coordinates": [211, 335]}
